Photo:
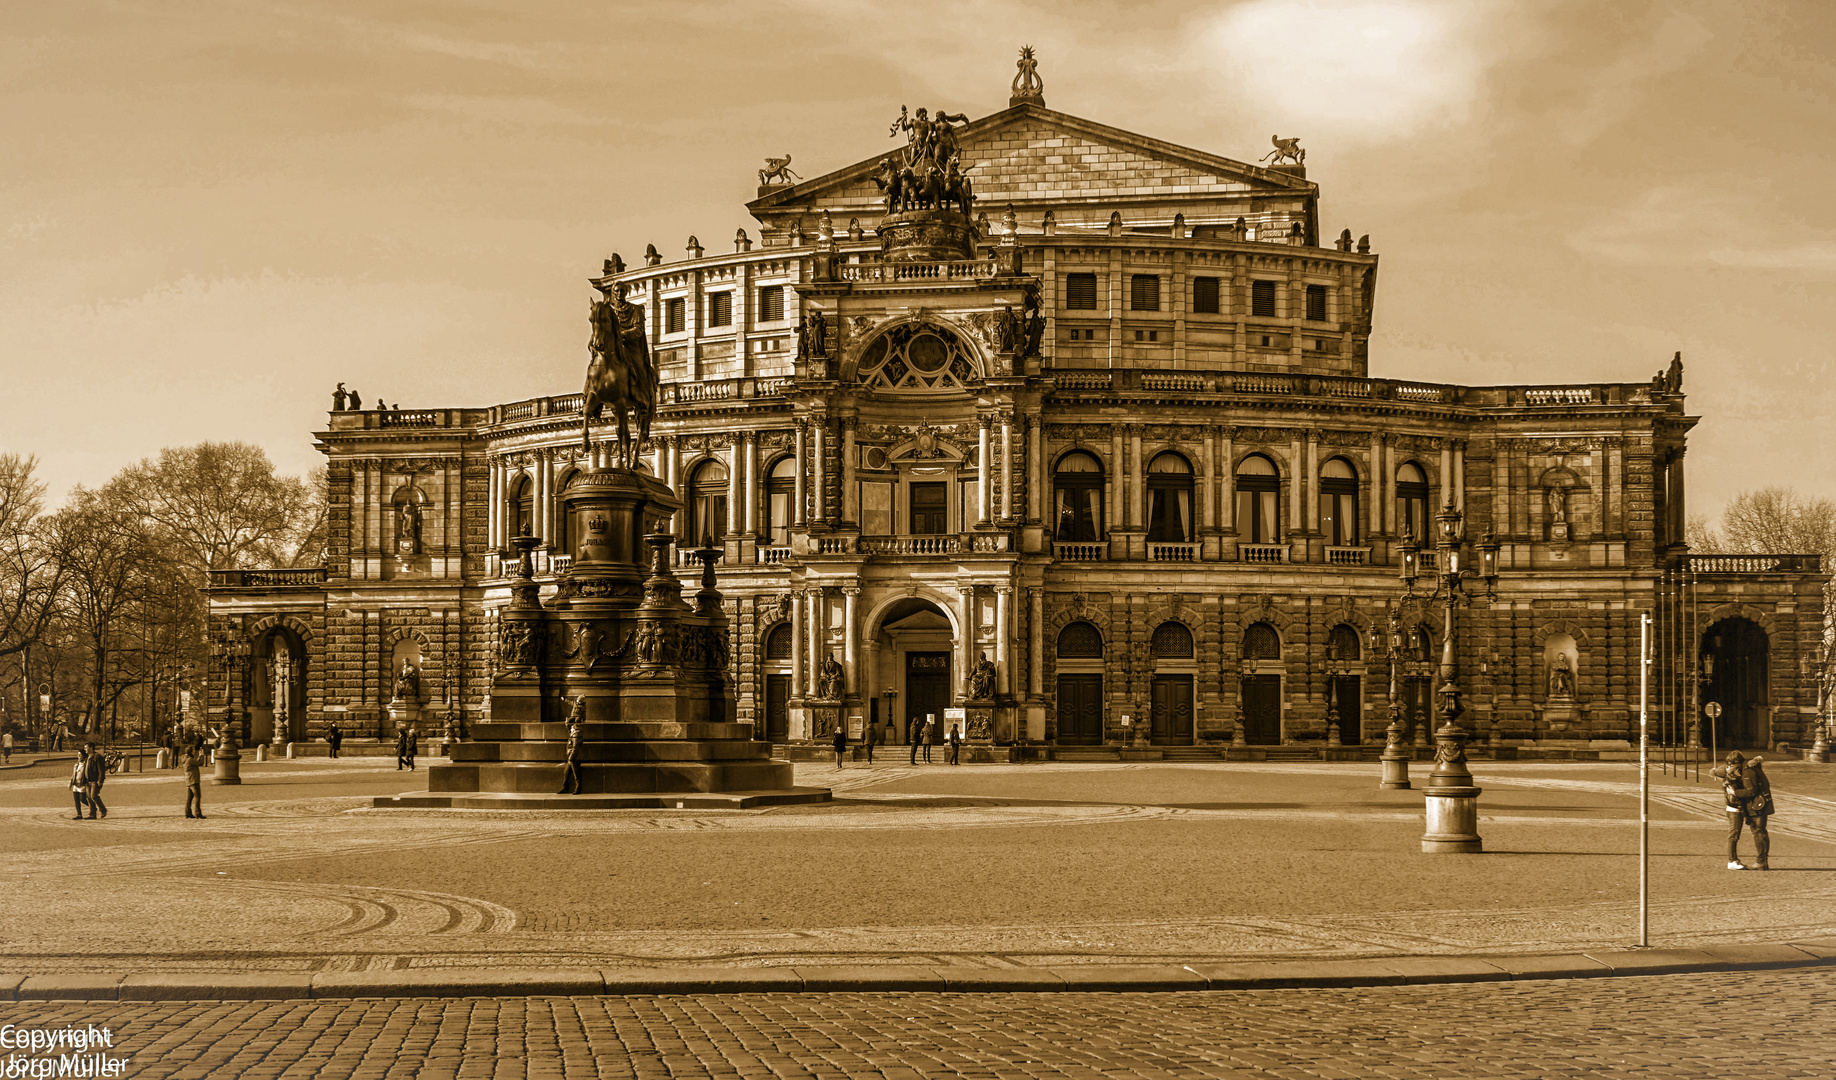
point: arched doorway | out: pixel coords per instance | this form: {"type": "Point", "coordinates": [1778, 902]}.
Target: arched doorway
{"type": "Point", "coordinates": [1080, 685]}
{"type": "Point", "coordinates": [277, 687]}
{"type": "Point", "coordinates": [1345, 682]}
{"type": "Point", "coordinates": [777, 684]}
{"type": "Point", "coordinates": [1262, 671]}
{"type": "Point", "coordinates": [1175, 665]}
{"type": "Point", "coordinates": [1735, 653]}
{"type": "Point", "coordinates": [913, 649]}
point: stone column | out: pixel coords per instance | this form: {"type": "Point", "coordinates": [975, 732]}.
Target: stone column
{"type": "Point", "coordinates": [796, 643]}
{"type": "Point", "coordinates": [1227, 458]}
{"type": "Point", "coordinates": [749, 507]}
{"type": "Point", "coordinates": [803, 464]}
{"type": "Point", "coordinates": [1035, 458]}
{"type": "Point", "coordinates": [983, 469]}
{"type": "Point", "coordinates": [1007, 466]}
{"type": "Point", "coordinates": [1459, 475]}
{"type": "Point", "coordinates": [1137, 480]}
{"type": "Point", "coordinates": [1674, 502]}
{"type": "Point", "coordinates": [494, 505]}
{"type": "Point", "coordinates": [1378, 486]}
{"type": "Point", "coordinates": [966, 638]}
{"type": "Point", "coordinates": [1003, 609]}
{"type": "Point", "coordinates": [1446, 482]}
{"type": "Point", "coordinates": [1116, 476]}
{"type": "Point", "coordinates": [1313, 480]}
{"type": "Point", "coordinates": [850, 647]}
{"type": "Point", "coordinates": [818, 466]}
{"type": "Point", "coordinates": [1036, 635]}
{"type": "Point", "coordinates": [1208, 494]}
{"type": "Point", "coordinates": [850, 512]}
{"type": "Point", "coordinates": [1297, 485]}
{"type": "Point", "coordinates": [736, 487]}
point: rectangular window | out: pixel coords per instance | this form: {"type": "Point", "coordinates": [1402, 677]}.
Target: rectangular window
{"type": "Point", "coordinates": [1147, 335]}
{"type": "Point", "coordinates": [675, 315]}
{"type": "Point", "coordinates": [771, 303]}
{"type": "Point", "coordinates": [1316, 303]}
{"type": "Point", "coordinates": [720, 309]}
{"type": "Point", "coordinates": [1080, 291]}
{"type": "Point", "coordinates": [1205, 295]}
{"type": "Point", "coordinates": [1262, 298]}
{"type": "Point", "coordinates": [930, 508]}
{"type": "Point", "coordinates": [1144, 292]}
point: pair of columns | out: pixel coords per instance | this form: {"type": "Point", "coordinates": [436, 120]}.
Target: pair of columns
{"type": "Point", "coordinates": [812, 617]}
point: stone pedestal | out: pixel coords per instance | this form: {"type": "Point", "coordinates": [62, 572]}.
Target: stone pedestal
{"type": "Point", "coordinates": [1453, 801]}
{"type": "Point", "coordinates": [646, 676]}
{"type": "Point", "coordinates": [228, 764]}
{"type": "Point", "coordinates": [978, 721]}
{"type": "Point", "coordinates": [1395, 759]}
{"type": "Point", "coordinates": [162, 760]}
{"type": "Point", "coordinates": [1561, 720]}
{"type": "Point", "coordinates": [403, 714]}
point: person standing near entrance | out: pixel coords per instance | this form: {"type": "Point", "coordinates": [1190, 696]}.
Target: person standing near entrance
{"type": "Point", "coordinates": [335, 739]}
{"type": "Point", "coordinates": [841, 742]}
{"type": "Point", "coordinates": [925, 737]}
{"type": "Point", "coordinates": [956, 746]}
{"type": "Point", "coordinates": [194, 784]}
{"type": "Point", "coordinates": [414, 746]}
{"type": "Point", "coordinates": [912, 731]}
{"type": "Point", "coordinates": [867, 737]}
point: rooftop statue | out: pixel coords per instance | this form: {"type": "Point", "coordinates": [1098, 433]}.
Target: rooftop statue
{"type": "Point", "coordinates": [619, 372]}
{"type": "Point", "coordinates": [777, 170]}
{"type": "Point", "coordinates": [1027, 86]}
{"type": "Point", "coordinates": [1286, 150]}
{"type": "Point", "coordinates": [928, 171]}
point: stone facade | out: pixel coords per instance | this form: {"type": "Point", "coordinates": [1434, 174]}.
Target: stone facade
{"type": "Point", "coordinates": [1194, 458]}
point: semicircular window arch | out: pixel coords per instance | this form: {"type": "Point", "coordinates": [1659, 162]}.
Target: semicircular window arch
{"type": "Point", "coordinates": [917, 357]}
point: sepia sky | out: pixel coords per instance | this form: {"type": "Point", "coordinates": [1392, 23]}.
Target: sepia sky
{"type": "Point", "coordinates": [213, 210]}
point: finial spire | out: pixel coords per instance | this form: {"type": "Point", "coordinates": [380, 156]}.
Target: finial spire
{"type": "Point", "coordinates": [1027, 87]}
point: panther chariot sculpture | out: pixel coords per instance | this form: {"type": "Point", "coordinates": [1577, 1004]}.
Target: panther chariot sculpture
{"type": "Point", "coordinates": [1286, 151]}
{"type": "Point", "coordinates": [928, 172]}
{"type": "Point", "coordinates": [777, 170]}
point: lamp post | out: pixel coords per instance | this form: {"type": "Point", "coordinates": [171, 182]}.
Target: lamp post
{"type": "Point", "coordinates": [1395, 758]}
{"type": "Point", "coordinates": [1452, 800]}
{"type": "Point", "coordinates": [1826, 683]}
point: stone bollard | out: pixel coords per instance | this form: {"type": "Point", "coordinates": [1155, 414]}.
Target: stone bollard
{"type": "Point", "coordinates": [163, 759]}
{"type": "Point", "coordinates": [1395, 759]}
{"type": "Point", "coordinates": [1453, 801]}
{"type": "Point", "coordinates": [1820, 749]}
{"type": "Point", "coordinates": [229, 763]}
{"type": "Point", "coordinates": [289, 751]}
{"type": "Point", "coordinates": [261, 752]}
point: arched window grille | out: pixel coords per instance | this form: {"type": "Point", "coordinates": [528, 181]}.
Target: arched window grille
{"type": "Point", "coordinates": [1343, 643]}
{"type": "Point", "coordinates": [1080, 641]}
{"type": "Point", "coordinates": [1261, 642]}
{"type": "Point", "coordinates": [778, 642]}
{"type": "Point", "coordinates": [1171, 641]}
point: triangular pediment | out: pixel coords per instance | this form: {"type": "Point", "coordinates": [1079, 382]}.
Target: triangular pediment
{"type": "Point", "coordinates": [1035, 158]}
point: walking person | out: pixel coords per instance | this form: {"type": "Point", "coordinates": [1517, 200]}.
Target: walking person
{"type": "Point", "coordinates": [194, 782]}
{"type": "Point", "coordinates": [78, 782]}
{"type": "Point", "coordinates": [414, 745]}
{"type": "Point", "coordinates": [911, 736]}
{"type": "Point", "coordinates": [570, 760]}
{"type": "Point", "coordinates": [956, 745]}
{"type": "Point", "coordinates": [841, 742]}
{"type": "Point", "coordinates": [867, 737]}
{"type": "Point", "coordinates": [6, 748]}
{"type": "Point", "coordinates": [335, 739]}
{"type": "Point", "coordinates": [95, 771]}
{"type": "Point", "coordinates": [402, 761]}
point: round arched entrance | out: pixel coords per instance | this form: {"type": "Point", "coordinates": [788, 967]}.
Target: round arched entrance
{"type": "Point", "coordinates": [1734, 654]}
{"type": "Point", "coordinates": [277, 687]}
{"type": "Point", "coordinates": [912, 659]}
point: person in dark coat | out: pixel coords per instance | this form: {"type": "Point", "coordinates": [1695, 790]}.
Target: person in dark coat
{"type": "Point", "coordinates": [841, 742]}
{"type": "Point", "coordinates": [95, 771]}
{"type": "Point", "coordinates": [867, 737]}
{"type": "Point", "coordinates": [1749, 803]}
{"type": "Point", "coordinates": [956, 745]}
{"type": "Point", "coordinates": [925, 737]}
{"type": "Point", "coordinates": [911, 736]}
{"type": "Point", "coordinates": [402, 760]}
{"type": "Point", "coordinates": [414, 745]}
{"type": "Point", "coordinates": [335, 739]}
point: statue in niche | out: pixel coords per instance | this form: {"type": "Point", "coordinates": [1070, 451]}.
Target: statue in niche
{"type": "Point", "coordinates": [1007, 329]}
{"type": "Point", "coordinates": [829, 678]}
{"type": "Point", "coordinates": [813, 336]}
{"type": "Point", "coordinates": [408, 528]}
{"type": "Point", "coordinates": [1561, 678]}
{"type": "Point", "coordinates": [408, 682]}
{"type": "Point", "coordinates": [982, 678]}
{"type": "Point", "coordinates": [650, 643]}
{"type": "Point", "coordinates": [1558, 505]}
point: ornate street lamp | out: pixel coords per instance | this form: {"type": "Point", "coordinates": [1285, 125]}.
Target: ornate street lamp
{"type": "Point", "coordinates": [1453, 810]}
{"type": "Point", "coordinates": [1395, 758]}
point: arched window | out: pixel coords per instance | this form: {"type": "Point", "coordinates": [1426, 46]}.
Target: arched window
{"type": "Point", "coordinates": [708, 501]}
{"type": "Point", "coordinates": [1421, 643]}
{"type": "Point", "coordinates": [1339, 503]}
{"type": "Point", "coordinates": [780, 489]}
{"type": "Point", "coordinates": [1343, 643]}
{"type": "Point", "coordinates": [1261, 642]}
{"type": "Point", "coordinates": [1258, 501]}
{"type": "Point", "coordinates": [1412, 503]}
{"type": "Point", "coordinates": [1080, 641]}
{"type": "Point", "coordinates": [1078, 506]}
{"type": "Point", "coordinates": [1171, 641]}
{"type": "Point", "coordinates": [778, 642]}
{"type": "Point", "coordinates": [1169, 490]}
{"type": "Point", "coordinates": [520, 507]}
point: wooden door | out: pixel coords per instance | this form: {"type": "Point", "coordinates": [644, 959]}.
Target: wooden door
{"type": "Point", "coordinates": [1262, 710]}
{"type": "Point", "coordinates": [1171, 712]}
{"type": "Point", "coordinates": [1347, 695]}
{"type": "Point", "coordinates": [1080, 710]}
{"type": "Point", "coordinates": [777, 708]}
{"type": "Point", "coordinates": [927, 691]}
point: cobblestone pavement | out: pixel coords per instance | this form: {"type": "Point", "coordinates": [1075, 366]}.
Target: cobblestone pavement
{"type": "Point", "coordinates": [996, 866]}
{"type": "Point", "coordinates": [1748, 1026]}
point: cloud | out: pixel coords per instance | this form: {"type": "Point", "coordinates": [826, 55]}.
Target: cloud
{"type": "Point", "coordinates": [1674, 226]}
{"type": "Point", "coordinates": [1359, 70]}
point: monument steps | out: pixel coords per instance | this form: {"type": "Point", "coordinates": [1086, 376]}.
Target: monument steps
{"type": "Point", "coordinates": [687, 800]}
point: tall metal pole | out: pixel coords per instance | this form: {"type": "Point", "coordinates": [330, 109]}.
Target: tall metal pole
{"type": "Point", "coordinates": [1644, 783]}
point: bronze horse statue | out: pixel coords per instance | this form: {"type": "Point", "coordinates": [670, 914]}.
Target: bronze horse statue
{"type": "Point", "coordinates": [619, 374]}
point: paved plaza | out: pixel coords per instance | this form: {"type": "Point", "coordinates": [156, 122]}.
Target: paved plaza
{"type": "Point", "coordinates": [992, 866]}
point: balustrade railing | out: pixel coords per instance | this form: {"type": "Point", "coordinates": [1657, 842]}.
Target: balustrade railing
{"type": "Point", "coordinates": [1161, 381]}
{"type": "Point", "coordinates": [988, 542]}
{"type": "Point", "coordinates": [1080, 552]}
{"type": "Point", "coordinates": [912, 545]}
{"type": "Point", "coordinates": [775, 387]}
{"type": "Point", "coordinates": [1263, 384]}
{"type": "Point", "coordinates": [771, 556]}
{"type": "Point", "coordinates": [832, 545]}
{"type": "Point", "coordinates": [1159, 552]}
{"type": "Point", "coordinates": [1560, 395]}
{"type": "Point", "coordinates": [1348, 556]}
{"type": "Point", "coordinates": [287, 578]}
{"type": "Point", "coordinates": [1067, 380]}
{"type": "Point", "coordinates": [1755, 564]}
{"type": "Point", "coordinates": [560, 564]}
{"type": "Point", "coordinates": [1262, 553]}
{"type": "Point", "coordinates": [951, 270]}
{"type": "Point", "coordinates": [414, 418]}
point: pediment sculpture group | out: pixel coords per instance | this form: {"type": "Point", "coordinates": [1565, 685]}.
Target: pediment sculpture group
{"type": "Point", "coordinates": [928, 172]}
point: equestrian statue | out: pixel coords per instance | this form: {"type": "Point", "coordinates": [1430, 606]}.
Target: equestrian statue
{"type": "Point", "coordinates": [619, 372]}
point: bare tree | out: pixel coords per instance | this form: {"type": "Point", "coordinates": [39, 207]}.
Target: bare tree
{"type": "Point", "coordinates": [31, 572]}
{"type": "Point", "coordinates": [1774, 520]}
{"type": "Point", "coordinates": [219, 505]}
{"type": "Point", "coordinates": [113, 571]}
